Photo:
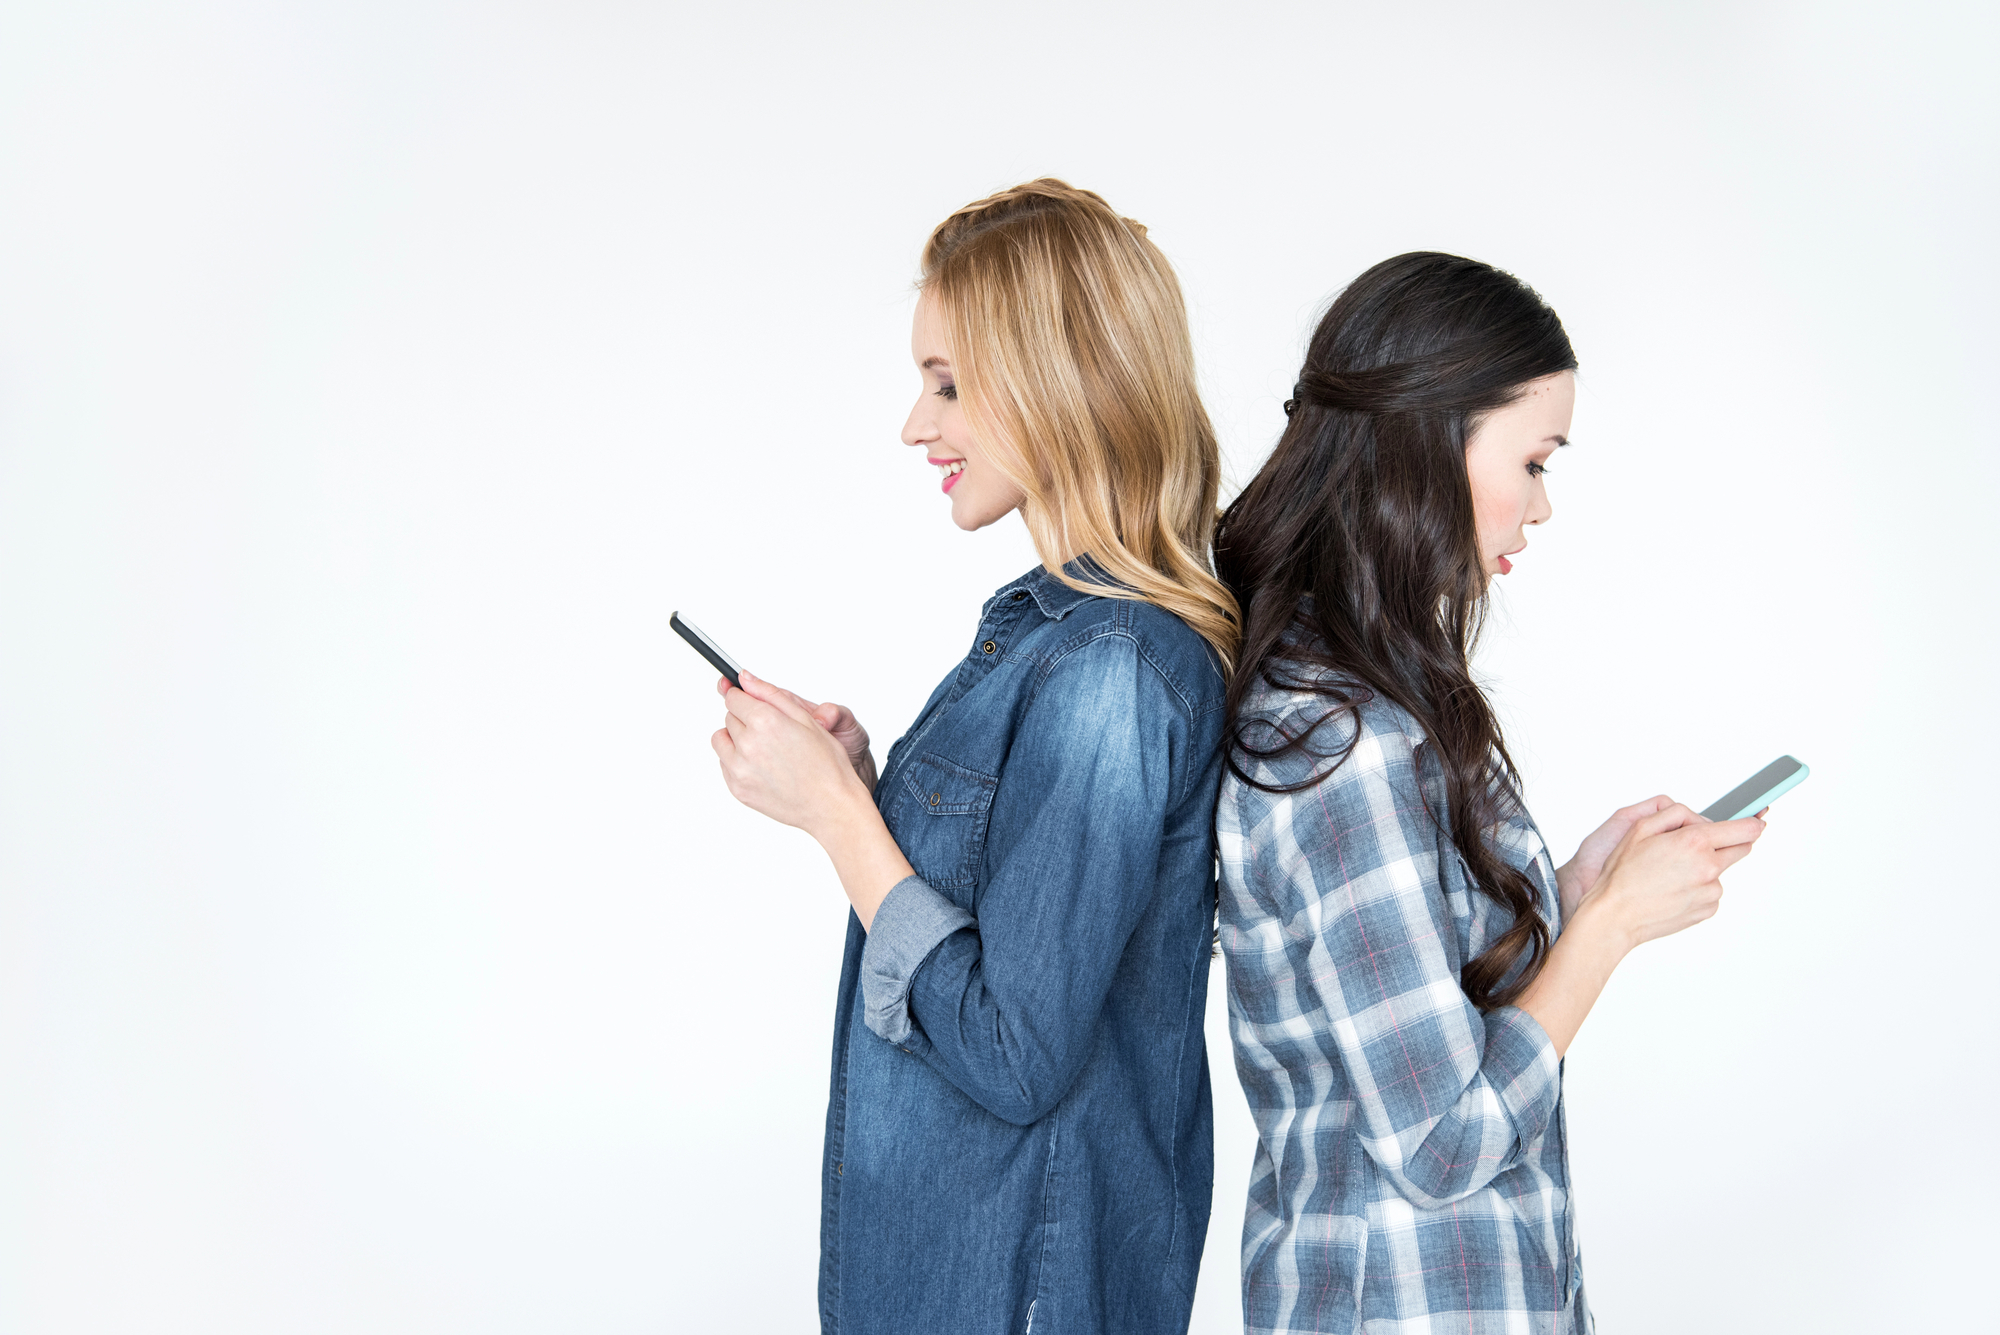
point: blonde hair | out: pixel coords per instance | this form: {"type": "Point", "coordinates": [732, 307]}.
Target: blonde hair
{"type": "Point", "coordinates": [1070, 349]}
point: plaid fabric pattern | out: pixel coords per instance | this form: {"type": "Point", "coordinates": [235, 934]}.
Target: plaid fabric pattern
{"type": "Point", "coordinates": [1411, 1173]}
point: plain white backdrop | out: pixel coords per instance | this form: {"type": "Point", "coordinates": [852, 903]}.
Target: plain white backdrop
{"type": "Point", "coordinates": [380, 951]}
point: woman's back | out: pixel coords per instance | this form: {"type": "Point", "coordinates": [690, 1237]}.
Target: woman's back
{"type": "Point", "coordinates": [1410, 1157]}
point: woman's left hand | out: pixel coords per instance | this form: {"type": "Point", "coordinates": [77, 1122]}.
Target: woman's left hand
{"type": "Point", "coordinates": [1578, 877]}
{"type": "Point", "coordinates": [779, 759]}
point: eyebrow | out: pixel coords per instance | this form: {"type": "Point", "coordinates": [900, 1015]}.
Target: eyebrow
{"type": "Point", "coordinates": [935, 363]}
{"type": "Point", "coordinates": [1559, 440]}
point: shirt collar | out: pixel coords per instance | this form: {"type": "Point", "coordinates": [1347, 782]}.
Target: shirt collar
{"type": "Point", "coordinates": [1055, 598]}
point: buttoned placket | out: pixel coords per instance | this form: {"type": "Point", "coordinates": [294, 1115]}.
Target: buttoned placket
{"type": "Point", "coordinates": [999, 623]}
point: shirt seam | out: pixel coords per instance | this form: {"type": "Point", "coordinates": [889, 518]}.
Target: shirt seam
{"type": "Point", "coordinates": [1092, 636]}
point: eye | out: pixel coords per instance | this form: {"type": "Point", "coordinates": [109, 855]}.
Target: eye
{"type": "Point", "coordinates": [947, 392]}
{"type": "Point", "coordinates": [1535, 469]}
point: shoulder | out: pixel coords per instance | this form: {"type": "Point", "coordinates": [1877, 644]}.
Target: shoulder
{"type": "Point", "coordinates": [1355, 738]}
{"type": "Point", "coordinates": [1102, 634]}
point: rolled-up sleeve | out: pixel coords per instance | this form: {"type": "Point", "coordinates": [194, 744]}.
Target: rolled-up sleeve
{"type": "Point", "coordinates": [1005, 1002]}
{"type": "Point", "coordinates": [1448, 1098]}
{"type": "Point", "coordinates": [907, 927]}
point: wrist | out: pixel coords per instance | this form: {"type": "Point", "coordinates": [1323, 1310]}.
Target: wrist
{"type": "Point", "coordinates": [851, 811]}
{"type": "Point", "coordinates": [863, 852]}
{"type": "Point", "coordinates": [1597, 923]}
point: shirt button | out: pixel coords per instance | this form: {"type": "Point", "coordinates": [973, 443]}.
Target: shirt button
{"type": "Point", "coordinates": [840, 1170]}
{"type": "Point", "coordinates": [936, 798]}
{"type": "Point", "coordinates": [1019, 594]}
{"type": "Point", "coordinates": [988, 647]}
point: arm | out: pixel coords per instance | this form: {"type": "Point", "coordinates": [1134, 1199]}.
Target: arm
{"type": "Point", "coordinates": [1006, 1006]}
{"type": "Point", "coordinates": [1445, 1097]}
{"type": "Point", "coordinates": [1662, 875]}
{"type": "Point", "coordinates": [1449, 1096]}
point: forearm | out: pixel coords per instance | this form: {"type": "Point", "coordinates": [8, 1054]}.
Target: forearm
{"type": "Point", "coordinates": [1574, 974]}
{"type": "Point", "coordinates": [864, 854]}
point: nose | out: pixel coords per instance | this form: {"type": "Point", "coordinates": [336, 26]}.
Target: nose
{"type": "Point", "coordinates": [1539, 509]}
{"type": "Point", "coordinates": [921, 428]}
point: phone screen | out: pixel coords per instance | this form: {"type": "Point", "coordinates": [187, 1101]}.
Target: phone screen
{"type": "Point", "coordinates": [1759, 790]}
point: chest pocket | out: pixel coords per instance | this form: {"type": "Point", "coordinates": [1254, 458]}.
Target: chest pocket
{"type": "Point", "coordinates": [940, 819]}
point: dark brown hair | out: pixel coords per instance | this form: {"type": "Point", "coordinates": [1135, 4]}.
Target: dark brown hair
{"type": "Point", "coordinates": [1355, 557]}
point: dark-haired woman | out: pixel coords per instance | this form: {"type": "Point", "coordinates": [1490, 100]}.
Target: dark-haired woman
{"type": "Point", "coordinates": [1407, 966]}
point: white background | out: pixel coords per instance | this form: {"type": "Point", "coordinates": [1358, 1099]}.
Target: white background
{"type": "Point", "coordinates": [378, 948]}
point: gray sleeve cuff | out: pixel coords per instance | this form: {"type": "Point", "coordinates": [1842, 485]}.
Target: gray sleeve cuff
{"type": "Point", "coordinates": [911, 921]}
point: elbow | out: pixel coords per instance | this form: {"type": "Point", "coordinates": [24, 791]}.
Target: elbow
{"type": "Point", "coordinates": [1024, 1090]}
{"type": "Point", "coordinates": [1020, 1103]}
{"type": "Point", "coordinates": [1435, 1196]}
{"type": "Point", "coordinates": [1433, 1177]}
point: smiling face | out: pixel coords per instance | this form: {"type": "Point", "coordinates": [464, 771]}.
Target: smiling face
{"type": "Point", "coordinates": [1505, 461]}
{"type": "Point", "coordinates": [979, 492]}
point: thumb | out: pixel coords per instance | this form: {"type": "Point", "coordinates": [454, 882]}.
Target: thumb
{"type": "Point", "coordinates": [827, 716]}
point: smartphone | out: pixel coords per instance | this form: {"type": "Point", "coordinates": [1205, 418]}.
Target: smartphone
{"type": "Point", "coordinates": [1761, 789]}
{"type": "Point", "coordinates": [707, 648]}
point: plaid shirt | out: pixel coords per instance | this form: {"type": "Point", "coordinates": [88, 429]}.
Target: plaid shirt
{"type": "Point", "coordinates": [1411, 1173]}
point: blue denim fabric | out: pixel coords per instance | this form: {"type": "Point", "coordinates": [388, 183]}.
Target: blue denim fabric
{"type": "Point", "coordinates": [1019, 1131]}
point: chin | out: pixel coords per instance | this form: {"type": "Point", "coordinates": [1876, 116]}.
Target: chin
{"type": "Point", "coordinates": [972, 517]}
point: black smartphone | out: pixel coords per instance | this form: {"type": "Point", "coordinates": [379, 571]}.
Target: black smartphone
{"type": "Point", "coordinates": [707, 648]}
{"type": "Point", "coordinates": [1758, 791]}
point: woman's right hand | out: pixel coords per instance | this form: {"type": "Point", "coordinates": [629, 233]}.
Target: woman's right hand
{"type": "Point", "coordinates": [1666, 873]}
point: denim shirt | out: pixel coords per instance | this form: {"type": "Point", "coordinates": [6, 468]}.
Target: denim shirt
{"type": "Point", "coordinates": [1019, 1133]}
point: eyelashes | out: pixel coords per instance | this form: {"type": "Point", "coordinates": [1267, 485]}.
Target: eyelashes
{"type": "Point", "coordinates": [948, 392]}
{"type": "Point", "coordinates": [1536, 470]}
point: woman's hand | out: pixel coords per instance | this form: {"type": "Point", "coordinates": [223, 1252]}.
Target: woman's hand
{"type": "Point", "coordinates": [1665, 873]}
{"type": "Point", "coordinates": [808, 765]}
{"type": "Point", "coordinates": [1578, 877]}
{"type": "Point", "coordinates": [1662, 874]}
{"type": "Point", "coordinates": [853, 738]}
{"type": "Point", "coordinates": [783, 756]}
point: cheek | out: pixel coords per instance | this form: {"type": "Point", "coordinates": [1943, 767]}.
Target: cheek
{"type": "Point", "coordinates": [1498, 512]}
{"type": "Point", "coordinates": [1488, 509]}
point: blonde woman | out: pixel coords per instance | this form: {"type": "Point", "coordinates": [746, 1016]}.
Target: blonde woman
{"type": "Point", "coordinates": [1019, 1132]}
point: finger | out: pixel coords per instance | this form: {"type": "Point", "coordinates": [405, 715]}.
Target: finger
{"type": "Point", "coordinates": [777, 697]}
{"type": "Point", "coordinates": [743, 705]}
{"type": "Point", "coordinates": [722, 685]}
{"type": "Point", "coordinates": [724, 745]}
{"type": "Point", "coordinates": [1671, 817]}
{"type": "Point", "coordinates": [828, 717]}
{"type": "Point", "coordinates": [1735, 853]}
{"type": "Point", "coordinates": [1746, 831]}
{"type": "Point", "coordinates": [736, 728]}
{"type": "Point", "coordinates": [1646, 808]}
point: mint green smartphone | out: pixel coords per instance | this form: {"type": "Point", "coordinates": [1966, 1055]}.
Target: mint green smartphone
{"type": "Point", "coordinates": [1761, 789]}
